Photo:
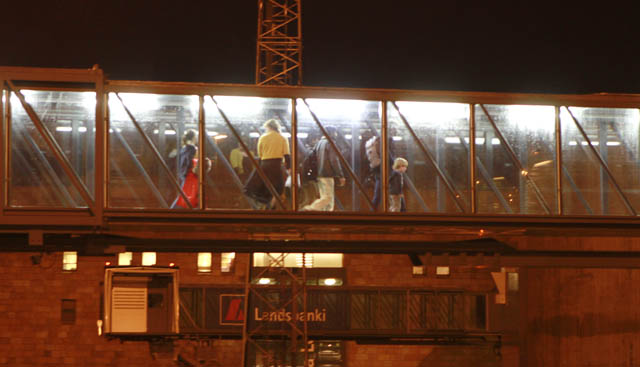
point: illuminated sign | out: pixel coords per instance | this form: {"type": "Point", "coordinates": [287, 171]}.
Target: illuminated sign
{"type": "Point", "coordinates": [282, 315]}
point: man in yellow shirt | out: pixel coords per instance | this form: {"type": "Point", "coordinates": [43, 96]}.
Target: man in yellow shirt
{"type": "Point", "coordinates": [237, 160]}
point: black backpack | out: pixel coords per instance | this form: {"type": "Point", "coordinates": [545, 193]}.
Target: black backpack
{"type": "Point", "coordinates": [309, 170]}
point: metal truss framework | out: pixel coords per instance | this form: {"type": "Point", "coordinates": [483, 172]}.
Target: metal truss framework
{"type": "Point", "coordinates": [295, 333]}
{"type": "Point", "coordinates": [279, 43]}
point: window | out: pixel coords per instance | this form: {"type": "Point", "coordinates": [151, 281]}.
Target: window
{"type": "Point", "coordinates": [125, 258]}
{"type": "Point", "coordinates": [226, 261]}
{"type": "Point", "coordinates": [69, 261]}
{"type": "Point", "coordinates": [148, 258]}
{"type": "Point", "coordinates": [295, 260]}
{"type": "Point", "coordinates": [204, 262]}
{"type": "Point", "coordinates": [68, 311]}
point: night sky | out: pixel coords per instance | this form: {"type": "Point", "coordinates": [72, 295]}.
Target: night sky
{"type": "Point", "coordinates": [444, 45]}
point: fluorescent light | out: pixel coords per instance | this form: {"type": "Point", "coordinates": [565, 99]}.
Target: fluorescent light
{"type": "Point", "coordinates": [254, 135]}
{"type": "Point", "coordinates": [613, 143]}
{"type": "Point", "coordinates": [303, 135]}
{"type": "Point", "coordinates": [397, 138]}
{"type": "Point", "coordinates": [64, 128]}
{"type": "Point", "coordinates": [452, 140]}
{"type": "Point", "coordinates": [479, 141]}
{"type": "Point", "coordinates": [495, 141]}
{"type": "Point", "coordinates": [221, 136]}
{"type": "Point", "coordinates": [212, 133]}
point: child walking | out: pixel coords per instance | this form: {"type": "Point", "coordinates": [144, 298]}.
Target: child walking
{"type": "Point", "coordinates": [396, 185]}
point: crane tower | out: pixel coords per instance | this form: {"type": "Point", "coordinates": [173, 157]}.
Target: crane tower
{"type": "Point", "coordinates": [279, 43]}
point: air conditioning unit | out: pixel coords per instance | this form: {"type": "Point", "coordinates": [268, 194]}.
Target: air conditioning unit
{"type": "Point", "coordinates": [141, 300]}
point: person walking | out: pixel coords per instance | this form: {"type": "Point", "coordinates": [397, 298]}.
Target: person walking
{"type": "Point", "coordinates": [273, 148]}
{"type": "Point", "coordinates": [329, 169]}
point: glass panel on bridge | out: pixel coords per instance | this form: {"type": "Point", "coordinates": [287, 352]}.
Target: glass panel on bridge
{"type": "Point", "coordinates": [145, 148]}
{"type": "Point", "coordinates": [434, 139]}
{"type": "Point", "coordinates": [37, 176]}
{"type": "Point", "coordinates": [230, 120]}
{"type": "Point", "coordinates": [516, 165]}
{"type": "Point", "coordinates": [340, 130]}
{"type": "Point", "coordinates": [600, 155]}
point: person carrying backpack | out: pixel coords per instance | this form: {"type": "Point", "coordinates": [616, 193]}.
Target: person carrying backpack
{"type": "Point", "coordinates": [329, 169]}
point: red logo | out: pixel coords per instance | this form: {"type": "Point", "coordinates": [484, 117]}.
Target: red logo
{"type": "Point", "coordinates": [231, 309]}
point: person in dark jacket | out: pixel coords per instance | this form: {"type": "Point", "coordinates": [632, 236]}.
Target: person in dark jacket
{"type": "Point", "coordinates": [329, 169]}
{"type": "Point", "coordinates": [188, 170]}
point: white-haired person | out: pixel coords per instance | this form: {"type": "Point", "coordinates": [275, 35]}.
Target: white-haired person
{"type": "Point", "coordinates": [273, 150]}
{"type": "Point", "coordinates": [396, 185]}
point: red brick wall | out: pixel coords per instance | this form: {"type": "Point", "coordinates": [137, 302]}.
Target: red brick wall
{"type": "Point", "coordinates": [583, 317]}
{"type": "Point", "coordinates": [32, 334]}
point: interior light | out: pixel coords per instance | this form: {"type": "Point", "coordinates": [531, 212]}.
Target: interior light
{"type": "Point", "coordinates": [337, 108]}
{"type": "Point", "coordinates": [64, 128]}
{"type": "Point", "coordinates": [69, 260]}
{"type": "Point", "coordinates": [495, 141]}
{"type": "Point", "coordinates": [204, 262]}
{"type": "Point", "coordinates": [82, 129]}
{"type": "Point", "coordinates": [573, 142]}
{"type": "Point", "coordinates": [543, 163]}
{"type": "Point", "coordinates": [244, 105]}
{"type": "Point", "coordinates": [212, 133]}
{"type": "Point", "coordinates": [613, 143]}
{"type": "Point", "coordinates": [226, 261]}
{"type": "Point", "coordinates": [171, 265]}
{"type": "Point", "coordinates": [532, 117]}
{"type": "Point", "coordinates": [303, 135]}
{"type": "Point", "coordinates": [397, 138]}
{"type": "Point", "coordinates": [264, 281]}
{"type": "Point", "coordinates": [348, 136]}
{"type": "Point", "coordinates": [89, 100]}
{"type": "Point", "coordinates": [443, 270]}
{"type": "Point", "coordinates": [305, 258]}
{"type": "Point", "coordinates": [125, 258]}
{"type": "Point", "coordinates": [107, 263]}
{"type": "Point", "coordinates": [436, 111]}
{"type": "Point", "coordinates": [286, 134]}
{"type": "Point", "coordinates": [330, 281]}
{"type": "Point", "coordinates": [594, 143]}
{"type": "Point", "coordinates": [254, 135]}
{"type": "Point", "coordinates": [479, 141]}
{"type": "Point", "coordinates": [148, 258]}
{"type": "Point", "coordinates": [135, 102]}
{"type": "Point", "coordinates": [220, 137]}
{"type": "Point", "coordinates": [452, 140]}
